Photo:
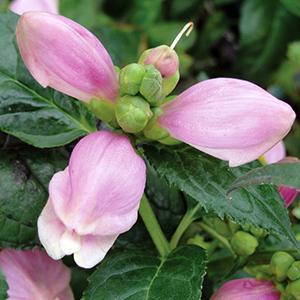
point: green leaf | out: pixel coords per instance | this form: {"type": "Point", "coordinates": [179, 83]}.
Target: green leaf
{"type": "Point", "coordinates": [266, 28]}
{"type": "Point", "coordinates": [3, 287]}
{"type": "Point", "coordinates": [24, 178]}
{"type": "Point", "coordinates": [277, 174]}
{"type": "Point", "coordinates": [41, 117]}
{"type": "Point", "coordinates": [141, 275]}
{"type": "Point", "coordinates": [207, 180]}
{"type": "Point", "coordinates": [292, 6]}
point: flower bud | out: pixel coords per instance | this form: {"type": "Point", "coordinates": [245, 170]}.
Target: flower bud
{"type": "Point", "coordinates": [246, 289]}
{"type": "Point", "coordinates": [163, 58]}
{"type": "Point", "coordinates": [293, 288]}
{"type": "Point", "coordinates": [94, 200]}
{"type": "Point", "coordinates": [258, 232]}
{"type": "Point", "coordinates": [166, 61]}
{"type": "Point", "coordinates": [133, 113]}
{"type": "Point", "coordinates": [280, 264]}
{"type": "Point", "coordinates": [22, 6]}
{"type": "Point", "coordinates": [294, 271]}
{"type": "Point", "coordinates": [243, 243]}
{"type": "Point", "coordinates": [62, 54]}
{"type": "Point", "coordinates": [131, 78]}
{"type": "Point", "coordinates": [227, 118]}
{"type": "Point", "coordinates": [151, 86]}
{"type": "Point", "coordinates": [32, 274]}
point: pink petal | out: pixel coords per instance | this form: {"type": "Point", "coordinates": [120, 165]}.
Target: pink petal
{"type": "Point", "coordinates": [246, 289]}
{"type": "Point", "coordinates": [65, 56]}
{"type": "Point", "coordinates": [50, 230]}
{"type": "Point", "coordinates": [93, 250]}
{"type": "Point", "coordinates": [107, 180]}
{"type": "Point", "coordinates": [288, 194]}
{"type": "Point", "coordinates": [22, 6]}
{"type": "Point", "coordinates": [32, 275]}
{"type": "Point", "coordinates": [229, 118]}
{"type": "Point", "coordinates": [275, 154]}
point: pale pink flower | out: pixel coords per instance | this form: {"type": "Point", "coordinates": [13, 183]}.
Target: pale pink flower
{"type": "Point", "coordinates": [62, 54]}
{"type": "Point", "coordinates": [230, 119]}
{"type": "Point", "coordinates": [246, 289]}
{"type": "Point", "coordinates": [33, 275]}
{"type": "Point", "coordinates": [22, 6]}
{"type": "Point", "coordinates": [93, 200]}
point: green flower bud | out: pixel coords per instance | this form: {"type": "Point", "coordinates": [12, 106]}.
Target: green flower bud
{"type": "Point", "coordinates": [131, 78]}
{"type": "Point", "coordinates": [170, 83]}
{"type": "Point", "coordinates": [133, 113]}
{"type": "Point", "coordinates": [153, 131]}
{"type": "Point", "coordinates": [294, 271]}
{"type": "Point", "coordinates": [243, 243]}
{"type": "Point", "coordinates": [104, 110]}
{"type": "Point", "coordinates": [258, 232]}
{"type": "Point", "coordinates": [293, 288]}
{"type": "Point", "coordinates": [280, 264]}
{"type": "Point", "coordinates": [151, 86]}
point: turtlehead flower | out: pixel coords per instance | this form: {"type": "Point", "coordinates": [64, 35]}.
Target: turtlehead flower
{"type": "Point", "coordinates": [62, 54]}
{"type": "Point", "coordinates": [33, 275]}
{"type": "Point", "coordinates": [246, 289]}
{"type": "Point", "coordinates": [227, 118]}
{"type": "Point", "coordinates": [21, 6]}
{"type": "Point", "coordinates": [93, 200]}
{"type": "Point", "coordinates": [278, 154]}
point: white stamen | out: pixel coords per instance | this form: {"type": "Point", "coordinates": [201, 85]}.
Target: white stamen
{"type": "Point", "coordinates": [187, 28]}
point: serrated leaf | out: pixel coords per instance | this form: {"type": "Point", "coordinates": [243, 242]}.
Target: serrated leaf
{"type": "Point", "coordinates": [24, 178]}
{"type": "Point", "coordinates": [207, 180]}
{"type": "Point", "coordinates": [41, 117]}
{"type": "Point", "coordinates": [277, 174]}
{"type": "Point", "coordinates": [3, 287]}
{"type": "Point", "coordinates": [141, 275]}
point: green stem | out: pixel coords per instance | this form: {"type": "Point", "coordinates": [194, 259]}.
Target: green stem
{"type": "Point", "coordinates": [186, 221]}
{"type": "Point", "coordinates": [217, 236]}
{"type": "Point", "coordinates": [153, 227]}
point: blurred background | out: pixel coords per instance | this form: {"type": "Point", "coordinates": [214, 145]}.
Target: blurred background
{"type": "Point", "coordinates": [247, 39]}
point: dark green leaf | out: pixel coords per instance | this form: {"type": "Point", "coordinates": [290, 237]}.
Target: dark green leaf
{"type": "Point", "coordinates": [141, 275]}
{"type": "Point", "coordinates": [292, 6]}
{"type": "Point", "coordinates": [38, 116]}
{"type": "Point", "coordinates": [266, 28]}
{"type": "Point", "coordinates": [207, 180]}
{"type": "Point", "coordinates": [24, 178]}
{"type": "Point", "coordinates": [3, 287]}
{"type": "Point", "coordinates": [277, 174]}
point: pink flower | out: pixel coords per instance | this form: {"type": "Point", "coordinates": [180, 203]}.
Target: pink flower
{"type": "Point", "coordinates": [65, 56]}
{"type": "Point", "coordinates": [21, 6]}
{"type": "Point", "coordinates": [33, 275]}
{"type": "Point", "coordinates": [277, 154]}
{"type": "Point", "coordinates": [93, 200]}
{"type": "Point", "coordinates": [231, 119]}
{"type": "Point", "coordinates": [246, 289]}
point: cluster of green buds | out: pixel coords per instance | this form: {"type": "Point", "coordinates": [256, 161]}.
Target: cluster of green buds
{"type": "Point", "coordinates": [143, 88]}
{"type": "Point", "coordinates": [284, 271]}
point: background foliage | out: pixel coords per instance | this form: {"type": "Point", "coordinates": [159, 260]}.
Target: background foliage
{"type": "Point", "coordinates": [248, 39]}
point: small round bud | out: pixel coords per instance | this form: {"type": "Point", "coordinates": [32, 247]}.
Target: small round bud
{"type": "Point", "coordinates": [294, 271]}
{"type": "Point", "coordinates": [131, 78]}
{"type": "Point", "coordinates": [133, 113]}
{"type": "Point", "coordinates": [293, 288]}
{"type": "Point", "coordinates": [151, 86]}
{"type": "Point", "coordinates": [243, 243]}
{"type": "Point", "coordinates": [280, 264]}
{"type": "Point", "coordinates": [164, 59]}
{"type": "Point", "coordinates": [258, 232]}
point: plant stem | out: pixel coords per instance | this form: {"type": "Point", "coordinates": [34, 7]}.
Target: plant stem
{"type": "Point", "coordinates": [186, 221]}
{"type": "Point", "coordinates": [217, 236]}
{"type": "Point", "coordinates": [153, 227]}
